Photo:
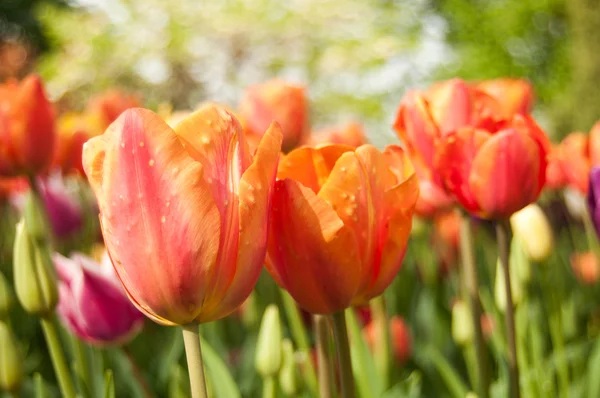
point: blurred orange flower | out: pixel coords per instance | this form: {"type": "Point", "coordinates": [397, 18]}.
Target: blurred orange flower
{"type": "Point", "coordinates": [515, 96]}
{"type": "Point", "coordinates": [571, 160]}
{"type": "Point", "coordinates": [27, 135]}
{"type": "Point", "coordinates": [280, 101]}
{"type": "Point", "coordinates": [400, 337]}
{"type": "Point", "coordinates": [104, 108]}
{"type": "Point", "coordinates": [340, 224]}
{"type": "Point", "coordinates": [586, 267]}
{"type": "Point", "coordinates": [352, 134]}
{"type": "Point", "coordinates": [184, 212]}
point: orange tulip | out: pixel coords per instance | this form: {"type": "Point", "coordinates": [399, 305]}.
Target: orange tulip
{"type": "Point", "coordinates": [352, 134]}
{"type": "Point", "coordinates": [26, 128]}
{"type": "Point", "coordinates": [280, 101]}
{"type": "Point", "coordinates": [586, 267]}
{"type": "Point", "coordinates": [72, 133]}
{"type": "Point", "coordinates": [105, 108]}
{"type": "Point", "coordinates": [515, 96]}
{"type": "Point", "coordinates": [493, 174]}
{"type": "Point", "coordinates": [184, 211]}
{"type": "Point", "coordinates": [400, 337]}
{"type": "Point", "coordinates": [571, 161]}
{"type": "Point", "coordinates": [340, 224]}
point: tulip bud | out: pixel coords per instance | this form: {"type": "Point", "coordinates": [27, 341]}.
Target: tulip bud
{"type": "Point", "coordinates": [6, 298]}
{"type": "Point", "coordinates": [35, 216]}
{"type": "Point", "coordinates": [35, 281]}
{"type": "Point", "coordinates": [11, 360]}
{"type": "Point", "coordinates": [530, 225]}
{"type": "Point", "coordinates": [268, 347]}
{"type": "Point", "coordinates": [462, 324]}
{"type": "Point", "coordinates": [288, 376]}
{"type": "Point", "coordinates": [500, 289]}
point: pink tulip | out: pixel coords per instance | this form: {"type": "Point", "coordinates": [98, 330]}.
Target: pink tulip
{"type": "Point", "coordinates": [92, 304]}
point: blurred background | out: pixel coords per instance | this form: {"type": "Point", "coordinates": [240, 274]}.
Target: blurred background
{"type": "Point", "coordinates": [357, 58]}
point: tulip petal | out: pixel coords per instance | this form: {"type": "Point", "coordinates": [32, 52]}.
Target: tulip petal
{"type": "Point", "coordinates": [214, 137]}
{"type": "Point", "coordinates": [451, 105]}
{"type": "Point", "coordinates": [312, 253]}
{"type": "Point", "coordinates": [152, 197]}
{"type": "Point", "coordinates": [504, 175]}
{"type": "Point", "coordinates": [453, 163]}
{"type": "Point", "coordinates": [255, 195]}
{"type": "Point", "coordinates": [356, 190]}
{"type": "Point", "coordinates": [311, 166]}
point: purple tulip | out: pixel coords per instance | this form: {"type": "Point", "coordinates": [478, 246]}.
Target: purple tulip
{"type": "Point", "coordinates": [593, 198]}
{"type": "Point", "coordinates": [64, 211]}
{"type": "Point", "coordinates": [93, 304]}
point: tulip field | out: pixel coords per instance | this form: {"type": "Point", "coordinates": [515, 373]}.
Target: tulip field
{"type": "Point", "coordinates": [239, 249]}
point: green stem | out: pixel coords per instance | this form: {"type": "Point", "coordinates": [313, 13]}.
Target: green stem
{"type": "Point", "coordinates": [382, 341]}
{"type": "Point", "coordinates": [193, 352]}
{"type": "Point", "coordinates": [326, 380]}
{"type": "Point", "coordinates": [471, 287]}
{"type": "Point", "coordinates": [340, 333]}
{"type": "Point", "coordinates": [269, 387]}
{"type": "Point", "coordinates": [137, 374]}
{"type": "Point", "coordinates": [502, 236]}
{"type": "Point", "coordinates": [300, 336]}
{"type": "Point", "coordinates": [58, 358]}
{"type": "Point", "coordinates": [82, 367]}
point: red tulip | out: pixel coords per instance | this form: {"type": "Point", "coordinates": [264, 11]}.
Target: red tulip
{"type": "Point", "coordinates": [184, 212]}
{"type": "Point", "coordinates": [399, 335]}
{"type": "Point", "coordinates": [340, 224]}
{"type": "Point", "coordinates": [279, 101]}
{"type": "Point", "coordinates": [493, 174]}
{"type": "Point", "coordinates": [26, 128]}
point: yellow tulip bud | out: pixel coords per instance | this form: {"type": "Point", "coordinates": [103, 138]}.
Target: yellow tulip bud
{"type": "Point", "coordinates": [11, 360]}
{"type": "Point", "coordinates": [6, 297]}
{"type": "Point", "coordinates": [35, 280]}
{"type": "Point", "coordinates": [462, 323]}
{"type": "Point", "coordinates": [288, 376]}
{"type": "Point", "coordinates": [530, 225]}
{"type": "Point", "coordinates": [268, 346]}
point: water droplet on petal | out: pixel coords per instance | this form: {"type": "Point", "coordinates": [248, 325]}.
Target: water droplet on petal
{"type": "Point", "coordinates": [168, 204]}
{"type": "Point", "coordinates": [344, 195]}
{"type": "Point", "coordinates": [151, 162]}
{"type": "Point", "coordinates": [205, 139]}
{"type": "Point", "coordinates": [163, 219]}
{"type": "Point", "coordinates": [349, 211]}
{"type": "Point", "coordinates": [142, 143]}
{"type": "Point", "coordinates": [343, 169]}
{"type": "Point", "coordinates": [175, 170]}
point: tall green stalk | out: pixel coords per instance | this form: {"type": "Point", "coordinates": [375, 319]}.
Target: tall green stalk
{"type": "Point", "coordinates": [58, 358]}
{"type": "Point", "coordinates": [503, 238]}
{"type": "Point", "coordinates": [340, 333]}
{"type": "Point", "coordinates": [471, 290]}
{"type": "Point", "coordinates": [326, 375]}
{"type": "Point", "coordinates": [193, 352]}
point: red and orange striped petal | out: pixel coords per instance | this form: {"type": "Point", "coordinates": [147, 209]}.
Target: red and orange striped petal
{"type": "Point", "coordinates": [152, 197]}
{"type": "Point", "coordinates": [453, 163]}
{"type": "Point", "coordinates": [451, 105]}
{"type": "Point", "coordinates": [255, 196]}
{"type": "Point", "coordinates": [313, 255]}
{"type": "Point", "coordinates": [311, 166]}
{"type": "Point", "coordinates": [505, 173]}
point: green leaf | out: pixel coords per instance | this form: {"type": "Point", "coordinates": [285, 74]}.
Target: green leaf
{"type": "Point", "coordinates": [368, 381]}
{"type": "Point", "coordinates": [594, 371]}
{"type": "Point", "coordinates": [454, 382]}
{"type": "Point", "coordinates": [40, 387]}
{"type": "Point", "coordinates": [109, 384]}
{"type": "Point", "coordinates": [224, 385]}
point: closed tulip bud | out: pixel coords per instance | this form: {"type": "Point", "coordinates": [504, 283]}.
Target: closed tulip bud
{"type": "Point", "coordinates": [288, 375]}
{"type": "Point", "coordinates": [462, 325]}
{"type": "Point", "coordinates": [340, 224]}
{"type": "Point", "coordinates": [63, 207]}
{"type": "Point", "coordinates": [494, 173]}
{"type": "Point", "coordinates": [93, 305]}
{"type": "Point", "coordinates": [26, 128]}
{"type": "Point", "coordinates": [279, 101]}
{"type": "Point", "coordinates": [35, 216]}
{"type": "Point", "coordinates": [516, 286]}
{"type": "Point", "coordinates": [268, 347]}
{"type": "Point", "coordinates": [6, 297]}
{"type": "Point", "coordinates": [11, 360]}
{"type": "Point", "coordinates": [531, 226]}
{"type": "Point", "coordinates": [586, 267]}
{"type": "Point", "coordinates": [35, 281]}
{"type": "Point", "coordinates": [184, 211]}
